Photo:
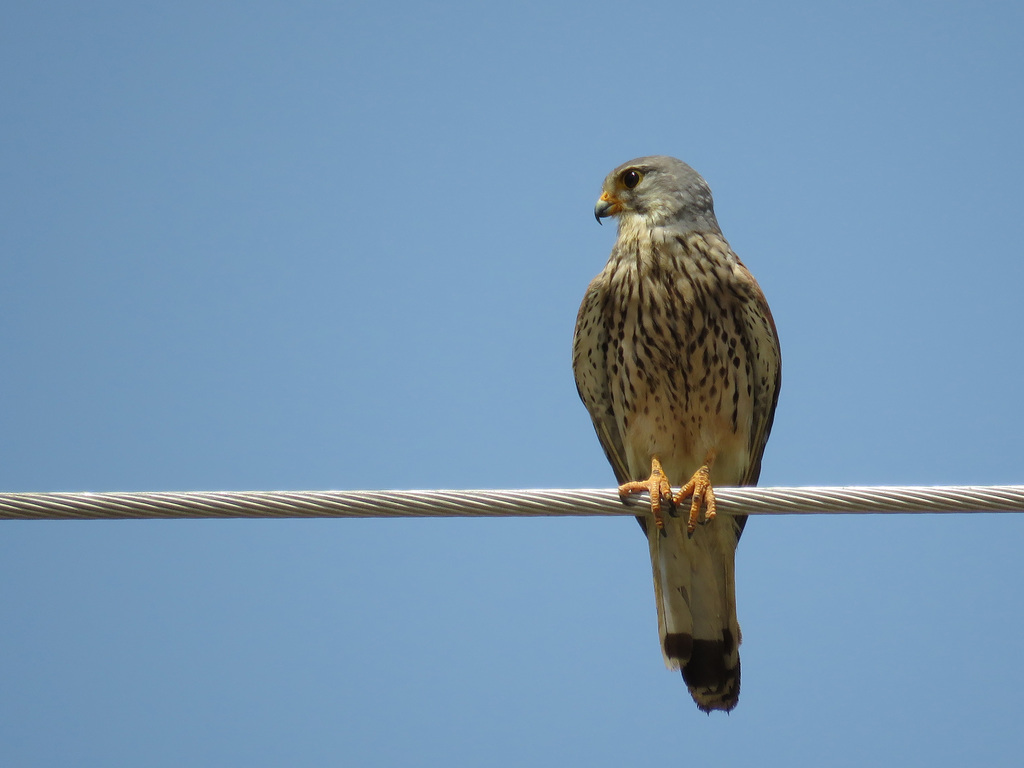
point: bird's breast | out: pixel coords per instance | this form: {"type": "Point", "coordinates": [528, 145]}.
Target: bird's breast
{"type": "Point", "coordinates": [678, 381]}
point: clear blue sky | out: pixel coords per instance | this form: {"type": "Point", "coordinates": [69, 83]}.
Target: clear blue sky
{"type": "Point", "coordinates": [318, 245]}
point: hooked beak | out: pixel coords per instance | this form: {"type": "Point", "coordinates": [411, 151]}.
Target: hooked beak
{"type": "Point", "coordinates": [606, 206]}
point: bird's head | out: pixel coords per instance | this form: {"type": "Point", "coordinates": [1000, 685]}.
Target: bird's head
{"type": "Point", "coordinates": [658, 191]}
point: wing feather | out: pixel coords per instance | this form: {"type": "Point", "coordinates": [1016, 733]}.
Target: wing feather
{"type": "Point", "coordinates": [589, 362]}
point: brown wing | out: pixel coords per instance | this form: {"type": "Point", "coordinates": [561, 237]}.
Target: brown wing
{"type": "Point", "coordinates": [589, 364]}
{"type": "Point", "coordinates": [762, 341]}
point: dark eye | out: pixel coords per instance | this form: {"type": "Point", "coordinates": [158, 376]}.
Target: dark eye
{"type": "Point", "coordinates": [631, 178]}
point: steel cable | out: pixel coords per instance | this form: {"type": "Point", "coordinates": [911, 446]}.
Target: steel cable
{"type": "Point", "coordinates": [497, 503]}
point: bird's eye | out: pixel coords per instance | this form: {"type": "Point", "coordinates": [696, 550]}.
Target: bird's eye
{"type": "Point", "coordinates": [631, 178]}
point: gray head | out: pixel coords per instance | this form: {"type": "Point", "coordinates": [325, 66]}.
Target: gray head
{"type": "Point", "coordinates": [661, 191]}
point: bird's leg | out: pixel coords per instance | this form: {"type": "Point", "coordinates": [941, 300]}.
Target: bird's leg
{"type": "Point", "coordinates": [656, 485]}
{"type": "Point", "coordinates": [700, 492]}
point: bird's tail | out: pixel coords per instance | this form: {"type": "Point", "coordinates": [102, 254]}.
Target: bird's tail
{"type": "Point", "coordinates": [695, 590]}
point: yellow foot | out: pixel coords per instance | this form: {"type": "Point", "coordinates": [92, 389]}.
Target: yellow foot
{"type": "Point", "coordinates": [701, 493]}
{"type": "Point", "coordinates": [656, 485]}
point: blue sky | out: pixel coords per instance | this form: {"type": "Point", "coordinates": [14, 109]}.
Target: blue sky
{"type": "Point", "coordinates": [316, 245]}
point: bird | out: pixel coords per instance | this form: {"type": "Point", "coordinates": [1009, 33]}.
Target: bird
{"type": "Point", "coordinates": [676, 358]}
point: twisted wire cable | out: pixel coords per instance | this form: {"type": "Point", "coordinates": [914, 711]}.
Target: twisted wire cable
{"type": "Point", "coordinates": [498, 503]}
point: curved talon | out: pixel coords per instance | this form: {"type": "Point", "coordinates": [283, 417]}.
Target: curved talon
{"type": "Point", "coordinates": [699, 490]}
{"type": "Point", "coordinates": [656, 485]}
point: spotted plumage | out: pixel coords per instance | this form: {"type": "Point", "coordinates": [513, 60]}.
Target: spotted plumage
{"type": "Point", "coordinates": [677, 359]}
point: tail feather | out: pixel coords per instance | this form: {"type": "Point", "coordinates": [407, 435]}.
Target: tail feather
{"type": "Point", "coordinates": [695, 592]}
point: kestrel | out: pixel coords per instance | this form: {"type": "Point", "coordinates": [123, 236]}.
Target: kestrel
{"type": "Point", "coordinates": [677, 359]}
